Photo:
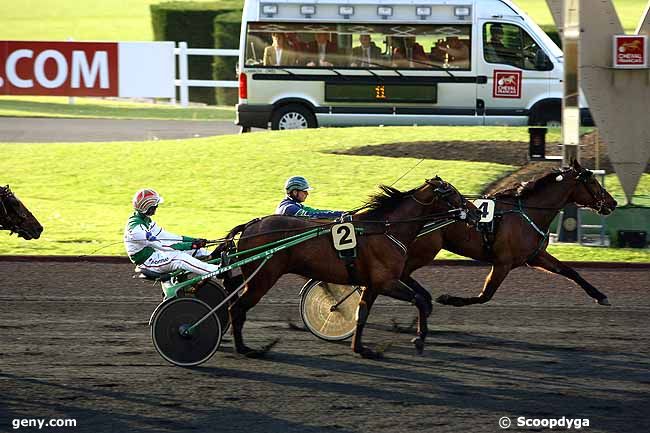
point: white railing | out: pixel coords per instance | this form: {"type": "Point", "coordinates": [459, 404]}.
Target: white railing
{"type": "Point", "coordinates": [183, 80]}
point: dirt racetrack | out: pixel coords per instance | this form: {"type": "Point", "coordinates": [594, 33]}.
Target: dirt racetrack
{"type": "Point", "coordinates": [74, 344]}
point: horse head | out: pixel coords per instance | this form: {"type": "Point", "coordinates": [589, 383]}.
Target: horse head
{"type": "Point", "coordinates": [589, 192]}
{"type": "Point", "coordinates": [448, 193]}
{"type": "Point", "coordinates": [16, 218]}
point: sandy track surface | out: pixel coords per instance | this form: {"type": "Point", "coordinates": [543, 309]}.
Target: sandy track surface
{"type": "Point", "coordinates": [74, 344]}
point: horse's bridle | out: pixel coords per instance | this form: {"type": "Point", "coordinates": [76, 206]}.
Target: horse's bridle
{"type": "Point", "coordinates": [444, 191]}
{"type": "Point", "coordinates": [584, 177]}
{"type": "Point", "coordinates": [6, 221]}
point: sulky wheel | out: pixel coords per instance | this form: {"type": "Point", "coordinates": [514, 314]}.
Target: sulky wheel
{"type": "Point", "coordinates": [213, 293]}
{"type": "Point", "coordinates": [321, 314]}
{"type": "Point", "coordinates": [169, 331]}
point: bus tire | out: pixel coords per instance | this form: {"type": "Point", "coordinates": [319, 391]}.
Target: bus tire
{"type": "Point", "coordinates": [293, 116]}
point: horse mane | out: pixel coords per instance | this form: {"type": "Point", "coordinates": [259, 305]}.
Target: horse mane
{"type": "Point", "coordinates": [387, 200]}
{"type": "Point", "coordinates": [528, 188]}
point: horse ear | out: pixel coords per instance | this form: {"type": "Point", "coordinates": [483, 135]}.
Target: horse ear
{"type": "Point", "coordinates": [575, 164]}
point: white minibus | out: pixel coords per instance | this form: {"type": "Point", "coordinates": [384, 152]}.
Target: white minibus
{"type": "Point", "coordinates": [311, 63]}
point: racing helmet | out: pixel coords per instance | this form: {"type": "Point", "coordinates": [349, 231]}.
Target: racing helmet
{"type": "Point", "coordinates": [297, 183]}
{"type": "Point", "coordinates": [145, 199]}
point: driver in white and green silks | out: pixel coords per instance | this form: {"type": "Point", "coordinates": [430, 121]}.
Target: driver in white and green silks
{"type": "Point", "coordinates": [154, 249]}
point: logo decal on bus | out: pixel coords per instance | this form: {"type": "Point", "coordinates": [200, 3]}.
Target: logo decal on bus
{"type": "Point", "coordinates": [507, 84]}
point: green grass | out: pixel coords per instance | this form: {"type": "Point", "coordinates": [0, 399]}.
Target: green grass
{"type": "Point", "coordinates": [81, 192]}
{"type": "Point", "coordinates": [129, 20]}
{"type": "Point", "coordinates": [53, 106]}
{"type": "Point", "coordinates": [629, 11]}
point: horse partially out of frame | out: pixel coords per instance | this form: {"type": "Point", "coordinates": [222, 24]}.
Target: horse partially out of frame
{"type": "Point", "coordinates": [16, 218]}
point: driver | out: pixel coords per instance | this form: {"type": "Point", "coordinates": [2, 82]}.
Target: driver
{"type": "Point", "coordinates": [297, 189]}
{"type": "Point", "coordinates": [152, 248]}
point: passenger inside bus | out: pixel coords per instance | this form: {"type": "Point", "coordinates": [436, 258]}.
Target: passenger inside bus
{"type": "Point", "coordinates": [322, 51]}
{"type": "Point", "coordinates": [407, 53]}
{"type": "Point", "coordinates": [279, 53]}
{"type": "Point", "coordinates": [452, 51]}
{"type": "Point", "coordinates": [367, 54]}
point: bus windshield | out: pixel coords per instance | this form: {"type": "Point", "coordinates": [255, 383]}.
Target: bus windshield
{"type": "Point", "coordinates": [358, 46]}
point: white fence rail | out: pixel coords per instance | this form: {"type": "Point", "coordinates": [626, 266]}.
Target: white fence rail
{"type": "Point", "coordinates": [183, 81]}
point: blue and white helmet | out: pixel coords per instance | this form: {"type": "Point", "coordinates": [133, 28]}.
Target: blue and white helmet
{"type": "Point", "coordinates": [297, 183]}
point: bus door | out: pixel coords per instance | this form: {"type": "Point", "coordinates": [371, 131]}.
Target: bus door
{"type": "Point", "coordinates": [515, 71]}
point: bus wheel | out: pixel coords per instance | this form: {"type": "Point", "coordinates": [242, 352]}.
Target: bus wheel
{"type": "Point", "coordinates": [293, 117]}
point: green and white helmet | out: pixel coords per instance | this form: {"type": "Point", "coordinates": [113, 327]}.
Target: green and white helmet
{"type": "Point", "coordinates": [297, 183]}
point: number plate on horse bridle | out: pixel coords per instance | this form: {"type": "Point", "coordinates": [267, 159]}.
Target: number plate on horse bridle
{"type": "Point", "coordinates": [486, 207]}
{"type": "Point", "coordinates": [344, 237]}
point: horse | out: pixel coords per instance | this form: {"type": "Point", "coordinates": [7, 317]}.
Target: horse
{"type": "Point", "coordinates": [524, 214]}
{"type": "Point", "coordinates": [16, 218]}
{"type": "Point", "coordinates": [391, 221]}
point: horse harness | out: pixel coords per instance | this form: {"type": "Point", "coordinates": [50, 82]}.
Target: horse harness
{"type": "Point", "coordinates": [349, 256]}
{"type": "Point", "coordinates": [489, 230]}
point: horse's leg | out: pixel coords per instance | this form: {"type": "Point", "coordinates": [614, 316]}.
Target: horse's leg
{"type": "Point", "coordinates": [421, 291]}
{"type": "Point", "coordinates": [547, 262]}
{"type": "Point", "coordinates": [404, 292]}
{"type": "Point", "coordinates": [255, 290]}
{"type": "Point", "coordinates": [492, 283]}
{"type": "Point", "coordinates": [368, 297]}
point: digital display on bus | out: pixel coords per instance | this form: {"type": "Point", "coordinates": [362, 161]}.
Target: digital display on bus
{"type": "Point", "coordinates": [378, 92]}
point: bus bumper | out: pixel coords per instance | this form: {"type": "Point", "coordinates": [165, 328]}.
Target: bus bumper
{"type": "Point", "coordinates": [256, 116]}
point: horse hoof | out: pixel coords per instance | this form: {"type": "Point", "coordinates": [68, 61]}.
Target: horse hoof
{"type": "Point", "coordinates": [369, 353]}
{"type": "Point", "coordinates": [604, 301]}
{"type": "Point", "coordinates": [443, 299]}
{"type": "Point", "coordinates": [418, 342]}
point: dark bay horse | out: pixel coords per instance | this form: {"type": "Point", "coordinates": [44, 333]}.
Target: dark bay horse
{"type": "Point", "coordinates": [16, 218]}
{"type": "Point", "coordinates": [391, 221]}
{"type": "Point", "coordinates": [524, 214]}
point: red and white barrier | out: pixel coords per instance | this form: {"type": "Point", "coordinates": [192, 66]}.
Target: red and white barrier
{"type": "Point", "coordinates": [125, 69]}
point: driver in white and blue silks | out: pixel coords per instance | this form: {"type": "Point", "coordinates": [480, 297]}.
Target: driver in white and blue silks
{"type": "Point", "coordinates": [152, 248]}
{"type": "Point", "coordinates": [297, 189]}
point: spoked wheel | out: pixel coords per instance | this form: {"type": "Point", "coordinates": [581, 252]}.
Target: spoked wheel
{"type": "Point", "coordinates": [329, 310]}
{"type": "Point", "coordinates": [213, 294]}
{"type": "Point", "coordinates": [172, 338]}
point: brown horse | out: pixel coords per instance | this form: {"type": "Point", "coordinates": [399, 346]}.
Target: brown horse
{"type": "Point", "coordinates": [522, 218]}
{"type": "Point", "coordinates": [390, 223]}
{"type": "Point", "coordinates": [16, 218]}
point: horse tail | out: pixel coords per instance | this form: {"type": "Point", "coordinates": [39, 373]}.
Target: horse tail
{"type": "Point", "coordinates": [229, 243]}
{"type": "Point", "coordinates": [231, 280]}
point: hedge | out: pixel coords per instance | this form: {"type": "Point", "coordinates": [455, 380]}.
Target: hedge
{"type": "Point", "coordinates": [226, 35]}
{"type": "Point", "coordinates": [193, 22]}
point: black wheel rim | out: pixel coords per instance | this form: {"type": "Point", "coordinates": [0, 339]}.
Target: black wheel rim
{"type": "Point", "coordinates": [213, 294]}
{"type": "Point", "coordinates": [174, 343]}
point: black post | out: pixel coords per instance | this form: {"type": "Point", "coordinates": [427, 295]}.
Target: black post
{"type": "Point", "coordinates": [537, 144]}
